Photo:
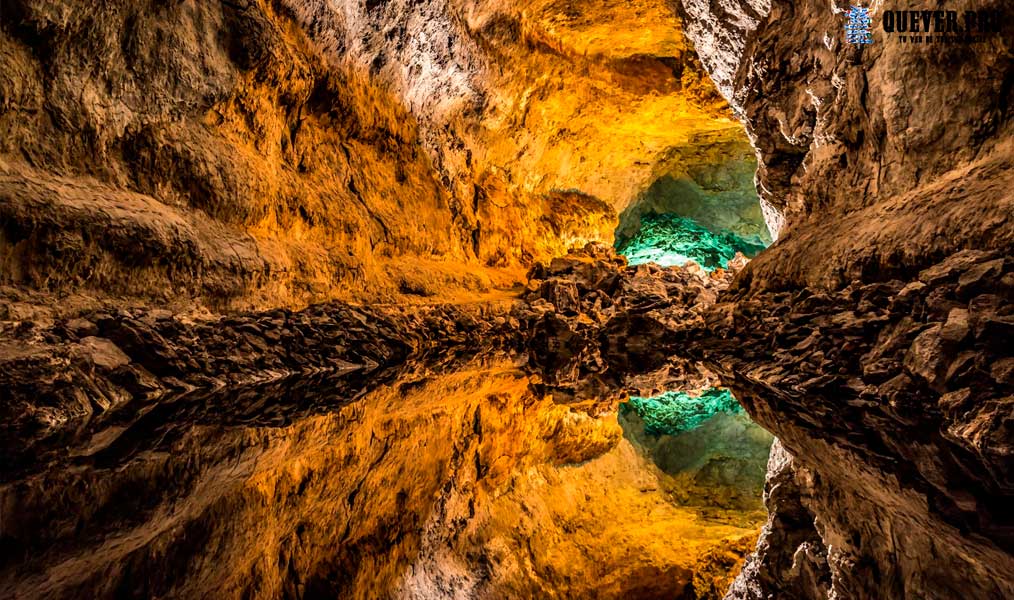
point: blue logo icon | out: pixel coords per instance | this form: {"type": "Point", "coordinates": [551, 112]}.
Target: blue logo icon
{"type": "Point", "coordinates": [857, 29]}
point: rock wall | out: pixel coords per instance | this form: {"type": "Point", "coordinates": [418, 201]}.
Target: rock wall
{"type": "Point", "coordinates": [876, 359]}
{"type": "Point", "coordinates": [257, 154]}
{"type": "Point", "coordinates": [261, 153]}
{"type": "Point", "coordinates": [428, 480]}
{"type": "Point", "coordinates": [873, 160]}
{"type": "Point", "coordinates": [711, 184]}
{"type": "Point", "coordinates": [892, 397]}
{"type": "Point", "coordinates": [896, 399]}
{"type": "Point", "coordinates": [385, 451]}
{"type": "Point", "coordinates": [790, 560]}
{"type": "Point", "coordinates": [61, 377]}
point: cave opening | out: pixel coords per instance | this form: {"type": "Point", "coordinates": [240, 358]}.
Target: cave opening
{"type": "Point", "coordinates": [703, 208]}
{"type": "Point", "coordinates": [711, 454]}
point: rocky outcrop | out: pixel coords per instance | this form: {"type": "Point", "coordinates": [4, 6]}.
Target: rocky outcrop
{"type": "Point", "coordinates": [894, 395]}
{"type": "Point", "coordinates": [866, 337]}
{"type": "Point", "coordinates": [791, 559]}
{"type": "Point", "coordinates": [888, 394]}
{"type": "Point", "coordinates": [262, 154]}
{"type": "Point", "coordinates": [897, 392]}
{"type": "Point", "coordinates": [599, 327]}
{"type": "Point", "coordinates": [201, 150]}
{"type": "Point", "coordinates": [59, 379]}
{"type": "Point", "coordinates": [581, 326]}
{"type": "Point", "coordinates": [860, 167]}
{"type": "Point", "coordinates": [431, 479]}
{"type": "Point", "coordinates": [244, 156]}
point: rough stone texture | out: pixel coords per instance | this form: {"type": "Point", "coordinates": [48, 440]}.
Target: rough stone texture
{"type": "Point", "coordinates": [887, 393]}
{"type": "Point", "coordinates": [579, 326]}
{"type": "Point", "coordinates": [713, 185]}
{"type": "Point", "coordinates": [719, 463]}
{"type": "Point", "coordinates": [57, 382]}
{"type": "Point", "coordinates": [360, 451]}
{"type": "Point", "coordinates": [874, 159]}
{"type": "Point", "coordinates": [602, 330]}
{"type": "Point", "coordinates": [891, 395]}
{"type": "Point", "coordinates": [442, 480]}
{"type": "Point", "coordinates": [276, 153]}
{"type": "Point", "coordinates": [790, 560]}
{"type": "Point", "coordinates": [886, 170]}
{"type": "Point", "coordinates": [258, 153]}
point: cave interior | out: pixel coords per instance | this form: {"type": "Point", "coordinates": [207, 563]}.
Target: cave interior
{"type": "Point", "coordinates": [474, 299]}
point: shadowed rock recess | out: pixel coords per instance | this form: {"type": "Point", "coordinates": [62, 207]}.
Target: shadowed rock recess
{"type": "Point", "coordinates": [307, 299]}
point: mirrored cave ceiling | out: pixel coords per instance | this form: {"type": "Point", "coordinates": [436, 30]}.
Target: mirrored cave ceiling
{"type": "Point", "coordinates": [180, 181]}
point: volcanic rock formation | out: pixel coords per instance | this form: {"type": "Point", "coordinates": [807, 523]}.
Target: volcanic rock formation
{"type": "Point", "coordinates": [374, 451]}
{"type": "Point", "coordinates": [281, 153]}
{"type": "Point", "coordinates": [181, 182]}
{"type": "Point", "coordinates": [878, 318]}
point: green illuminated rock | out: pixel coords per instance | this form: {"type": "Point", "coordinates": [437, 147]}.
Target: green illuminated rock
{"type": "Point", "coordinates": [676, 412]}
{"type": "Point", "coordinates": [668, 240]}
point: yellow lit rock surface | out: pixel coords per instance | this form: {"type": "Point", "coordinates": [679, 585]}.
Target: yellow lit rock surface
{"type": "Point", "coordinates": [460, 484]}
{"type": "Point", "coordinates": [284, 153]}
{"type": "Point", "coordinates": [209, 156]}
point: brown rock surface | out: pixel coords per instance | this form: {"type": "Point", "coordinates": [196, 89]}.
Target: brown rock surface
{"type": "Point", "coordinates": [160, 160]}
{"type": "Point", "coordinates": [359, 451]}
{"type": "Point", "coordinates": [258, 154]}
{"type": "Point", "coordinates": [873, 159]}
{"type": "Point", "coordinates": [416, 482]}
{"type": "Point", "coordinates": [885, 393]}
{"type": "Point", "coordinates": [887, 170]}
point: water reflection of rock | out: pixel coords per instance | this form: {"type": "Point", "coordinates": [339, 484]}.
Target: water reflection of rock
{"type": "Point", "coordinates": [719, 463]}
{"type": "Point", "coordinates": [431, 482]}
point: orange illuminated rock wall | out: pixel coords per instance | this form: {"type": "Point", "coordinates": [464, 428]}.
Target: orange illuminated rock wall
{"type": "Point", "coordinates": [436, 484]}
{"type": "Point", "coordinates": [280, 153]}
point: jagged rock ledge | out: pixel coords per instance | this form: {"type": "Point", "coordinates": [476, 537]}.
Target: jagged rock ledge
{"type": "Point", "coordinates": [61, 376]}
{"type": "Point", "coordinates": [896, 397]}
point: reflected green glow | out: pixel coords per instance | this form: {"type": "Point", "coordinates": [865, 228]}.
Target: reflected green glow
{"type": "Point", "coordinates": [676, 412]}
{"type": "Point", "coordinates": [669, 240]}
